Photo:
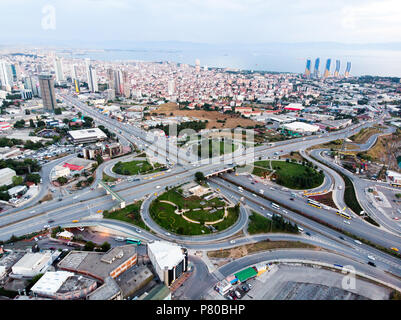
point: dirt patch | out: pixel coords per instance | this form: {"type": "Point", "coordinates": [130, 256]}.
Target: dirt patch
{"type": "Point", "coordinates": [47, 197]}
{"type": "Point", "coordinates": [242, 251]}
{"type": "Point", "coordinates": [225, 120]}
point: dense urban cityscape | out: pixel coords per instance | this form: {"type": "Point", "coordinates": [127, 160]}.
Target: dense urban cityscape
{"type": "Point", "coordinates": [139, 180]}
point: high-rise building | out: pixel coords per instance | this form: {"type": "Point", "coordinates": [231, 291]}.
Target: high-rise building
{"type": "Point", "coordinates": [347, 69]}
{"type": "Point", "coordinates": [337, 71]}
{"type": "Point", "coordinates": [58, 67]}
{"type": "Point", "coordinates": [6, 75]}
{"type": "Point", "coordinates": [308, 68]}
{"type": "Point", "coordinates": [31, 84]}
{"type": "Point", "coordinates": [327, 68]}
{"type": "Point", "coordinates": [171, 87]}
{"type": "Point", "coordinates": [125, 84]}
{"type": "Point", "coordinates": [197, 65]}
{"type": "Point", "coordinates": [316, 69]}
{"type": "Point", "coordinates": [46, 83]}
{"type": "Point", "coordinates": [91, 77]}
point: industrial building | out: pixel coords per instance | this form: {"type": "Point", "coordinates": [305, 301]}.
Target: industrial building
{"type": "Point", "coordinates": [100, 265]}
{"type": "Point", "coordinates": [6, 176]}
{"type": "Point", "coordinates": [87, 135]}
{"type": "Point", "coordinates": [297, 128]}
{"type": "Point", "coordinates": [169, 260]}
{"type": "Point", "coordinates": [63, 285]}
{"type": "Point", "coordinates": [32, 264]}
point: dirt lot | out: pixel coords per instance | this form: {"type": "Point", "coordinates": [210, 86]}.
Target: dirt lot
{"type": "Point", "coordinates": [244, 250]}
{"type": "Point", "coordinates": [231, 121]}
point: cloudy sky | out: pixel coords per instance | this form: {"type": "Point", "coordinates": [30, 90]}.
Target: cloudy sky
{"type": "Point", "coordinates": [205, 21]}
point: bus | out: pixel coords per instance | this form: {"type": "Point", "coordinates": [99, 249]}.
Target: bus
{"type": "Point", "coordinates": [396, 185]}
{"type": "Point", "coordinates": [314, 203]}
{"type": "Point", "coordinates": [275, 206]}
{"type": "Point", "coordinates": [344, 215]}
{"type": "Point", "coordinates": [133, 241]}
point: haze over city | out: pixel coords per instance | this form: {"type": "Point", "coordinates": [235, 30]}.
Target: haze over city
{"type": "Point", "coordinates": [261, 35]}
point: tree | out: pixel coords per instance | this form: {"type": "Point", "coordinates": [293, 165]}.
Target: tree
{"type": "Point", "coordinates": [99, 159]}
{"type": "Point", "coordinates": [105, 246]}
{"type": "Point", "coordinates": [57, 111]}
{"type": "Point", "coordinates": [32, 124]}
{"type": "Point", "coordinates": [89, 246]}
{"type": "Point", "coordinates": [17, 180]}
{"type": "Point", "coordinates": [199, 176]}
{"type": "Point", "coordinates": [33, 177]}
{"type": "Point", "coordinates": [62, 180]}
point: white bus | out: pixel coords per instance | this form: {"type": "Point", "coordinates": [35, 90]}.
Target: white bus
{"type": "Point", "coordinates": [275, 206]}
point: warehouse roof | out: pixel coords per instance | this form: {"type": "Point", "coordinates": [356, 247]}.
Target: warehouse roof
{"type": "Point", "coordinates": [301, 127]}
{"type": "Point", "coordinates": [50, 282]}
{"type": "Point", "coordinates": [87, 133]}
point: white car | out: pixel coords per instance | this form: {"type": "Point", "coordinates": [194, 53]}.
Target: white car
{"type": "Point", "coordinates": [46, 226]}
{"type": "Point", "coordinates": [138, 230]}
{"type": "Point", "coordinates": [347, 222]}
{"type": "Point", "coordinates": [371, 257]}
{"type": "Point", "coordinates": [357, 242]}
{"type": "Point", "coordinates": [158, 187]}
{"type": "Point", "coordinates": [168, 234]}
{"type": "Point", "coordinates": [285, 211]}
{"type": "Point", "coordinates": [232, 241]}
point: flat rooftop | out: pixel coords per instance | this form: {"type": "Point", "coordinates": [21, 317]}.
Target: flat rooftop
{"type": "Point", "coordinates": [91, 262]}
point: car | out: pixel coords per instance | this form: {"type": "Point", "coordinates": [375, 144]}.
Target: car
{"type": "Point", "coordinates": [396, 218]}
{"type": "Point", "coordinates": [52, 248]}
{"type": "Point", "coordinates": [371, 264]}
{"type": "Point", "coordinates": [254, 195]}
{"type": "Point", "coordinates": [232, 241]}
{"type": "Point", "coordinates": [50, 221]}
{"type": "Point", "coordinates": [341, 237]}
{"type": "Point", "coordinates": [46, 226]}
{"type": "Point", "coordinates": [292, 199]}
{"type": "Point", "coordinates": [371, 257]}
{"type": "Point", "coordinates": [346, 222]}
{"type": "Point", "coordinates": [158, 187]}
{"type": "Point", "coordinates": [168, 234]}
{"type": "Point", "coordinates": [262, 208]}
{"type": "Point", "coordinates": [308, 234]}
{"type": "Point", "coordinates": [395, 249]}
{"type": "Point", "coordinates": [119, 239]}
{"type": "Point", "coordinates": [285, 211]}
{"type": "Point", "coordinates": [36, 239]}
{"type": "Point", "coordinates": [357, 242]}
{"type": "Point", "coordinates": [138, 230]}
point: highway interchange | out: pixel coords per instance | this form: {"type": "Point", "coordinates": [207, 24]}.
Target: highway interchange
{"type": "Point", "coordinates": [84, 205]}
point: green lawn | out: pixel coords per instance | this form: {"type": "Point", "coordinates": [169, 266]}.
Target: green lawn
{"type": "Point", "coordinates": [135, 167]}
{"type": "Point", "coordinates": [214, 149]}
{"type": "Point", "coordinates": [163, 214]}
{"type": "Point", "coordinates": [203, 215]}
{"type": "Point", "coordinates": [190, 203]}
{"type": "Point", "coordinates": [107, 178]}
{"type": "Point", "coordinates": [292, 175]}
{"type": "Point", "coordinates": [129, 214]}
{"type": "Point", "coordinates": [261, 224]}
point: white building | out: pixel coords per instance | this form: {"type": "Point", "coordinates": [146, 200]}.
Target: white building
{"type": "Point", "coordinates": [60, 171]}
{"type": "Point", "coordinates": [32, 264]}
{"type": "Point", "coordinates": [301, 127]}
{"type": "Point", "coordinates": [87, 135]}
{"type": "Point", "coordinates": [6, 176]}
{"type": "Point", "coordinates": [3, 271]}
{"type": "Point", "coordinates": [393, 177]}
{"type": "Point", "coordinates": [50, 282]}
{"type": "Point", "coordinates": [169, 260]}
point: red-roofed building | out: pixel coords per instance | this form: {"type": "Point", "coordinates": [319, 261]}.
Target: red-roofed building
{"type": "Point", "coordinates": [73, 167]}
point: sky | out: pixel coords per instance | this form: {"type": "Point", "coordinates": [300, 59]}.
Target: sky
{"type": "Point", "coordinates": [200, 21]}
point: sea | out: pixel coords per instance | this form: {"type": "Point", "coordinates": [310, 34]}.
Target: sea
{"type": "Point", "coordinates": [275, 58]}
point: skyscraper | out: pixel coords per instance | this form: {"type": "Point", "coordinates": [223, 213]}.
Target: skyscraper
{"type": "Point", "coordinates": [46, 83]}
{"type": "Point", "coordinates": [197, 65]}
{"type": "Point", "coordinates": [308, 68]}
{"type": "Point", "coordinates": [6, 75]}
{"type": "Point", "coordinates": [58, 67]}
{"type": "Point", "coordinates": [316, 69]}
{"type": "Point", "coordinates": [31, 84]}
{"type": "Point", "coordinates": [337, 71]}
{"type": "Point", "coordinates": [327, 69]}
{"type": "Point", "coordinates": [347, 69]}
{"type": "Point", "coordinates": [91, 77]}
{"type": "Point", "coordinates": [171, 87]}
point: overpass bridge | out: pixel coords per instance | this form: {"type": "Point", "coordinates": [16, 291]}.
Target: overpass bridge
{"type": "Point", "coordinates": [114, 195]}
{"type": "Point", "coordinates": [218, 172]}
